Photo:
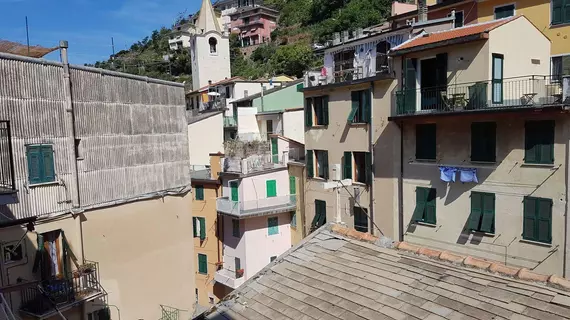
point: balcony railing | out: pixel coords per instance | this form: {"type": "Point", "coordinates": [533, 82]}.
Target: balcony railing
{"type": "Point", "coordinates": [7, 181]}
{"type": "Point", "coordinates": [230, 122]}
{"type": "Point", "coordinates": [79, 285]}
{"type": "Point", "coordinates": [345, 71]}
{"type": "Point", "coordinates": [519, 92]}
{"type": "Point", "coordinates": [254, 207]}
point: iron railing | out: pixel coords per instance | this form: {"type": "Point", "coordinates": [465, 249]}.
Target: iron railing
{"type": "Point", "coordinates": [169, 313]}
{"type": "Point", "coordinates": [49, 294]}
{"type": "Point", "coordinates": [517, 92]}
{"type": "Point", "coordinates": [7, 181]}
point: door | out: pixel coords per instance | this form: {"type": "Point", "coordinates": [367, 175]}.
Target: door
{"type": "Point", "coordinates": [497, 78]}
{"type": "Point", "coordinates": [274, 150]}
{"type": "Point", "coordinates": [410, 81]}
{"type": "Point", "coordinates": [428, 84]}
{"type": "Point", "coordinates": [269, 127]}
{"type": "Point", "coordinates": [234, 188]}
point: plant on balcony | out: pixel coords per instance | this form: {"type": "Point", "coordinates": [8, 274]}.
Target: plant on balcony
{"type": "Point", "coordinates": [84, 269]}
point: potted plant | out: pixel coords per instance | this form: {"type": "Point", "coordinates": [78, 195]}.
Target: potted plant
{"type": "Point", "coordinates": [239, 273]}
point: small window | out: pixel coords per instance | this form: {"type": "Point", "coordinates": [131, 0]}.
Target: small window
{"type": "Point", "coordinates": [228, 92]}
{"type": "Point", "coordinates": [504, 11]}
{"type": "Point", "coordinates": [361, 111]}
{"type": "Point", "coordinates": [272, 258]}
{"type": "Point", "coordinates": [539, 142]}
{"type": "Point", "coordinates": [272, 226]}
{"type": "Point", "coordinates": [293, 219]}
{"type": "Point", "coordinates": [320, 215]}
{"type": "Point", "coordinates": [235, 228]}
{"type": "Point", "coordinates": [426, 141]}
{"type": "Point", "coordinates": [40, 164]}
{"type": "Point", "coordinates": [199, 224]}
{"type": "Point", "coordinates": [199, 192]}
{"type": "Point", "coordinates": [482, 217]}
{"type": "Point", "coordinates": [211, 300]}
{"type": "Point", "coordinates": [425, 206]}
{"type": "Point", "coordinates": [322, 161]}
{"type": "Point", "coordinates": [271, 188]}
{"type": "Point", "coordinates": [360, 219]}
{"type": "Point", "coordinates": [458, 19]}
{"type": "Point", "coordinates": [483, 141]}
{"type": "Point", "coordinates": [362, 167]}
{"type": "Point", "coordinates": [317, 111]}
{"type": "Point", "coordinates": [12, 253]}
{"type": "Point", "coordinates": [537, 223]}
{"type": "Point", "coordinates": [213, 45]}
{"type": "Point", "coordinates": [202, 263]}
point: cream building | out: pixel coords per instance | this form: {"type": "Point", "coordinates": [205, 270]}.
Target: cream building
{"type": "Point", "coordinates": [95, 203]}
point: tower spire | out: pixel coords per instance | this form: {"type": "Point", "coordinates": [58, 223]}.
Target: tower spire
{"type": "Point", "coordinates": [207, 20]}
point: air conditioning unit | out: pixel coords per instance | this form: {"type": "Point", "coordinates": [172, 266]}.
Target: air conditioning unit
{"type": "Point", "coordinates": [336, 172]}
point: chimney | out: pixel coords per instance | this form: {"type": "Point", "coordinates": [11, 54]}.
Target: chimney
{"type": "Point", "coordinates": [422, 11]}
{"type": "Point", "coordinates": [216, 164]}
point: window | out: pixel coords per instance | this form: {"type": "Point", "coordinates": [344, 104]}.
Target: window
{"type": "Point", "coordinates": [361, 111]}
{"type": "Point", "coordinates": [272, 226]}
{"type": "Point", "coordinates": [202, 263]}
{"type": "Point", "coordinates": [317, 111]}
{"type": "Point", "coordinates": [322, 167]}
{"type": "Point", "coordinates": [12, 254]}
{"type": "Point", "coordinates": [213, 44]}
{"type": "Point", "coordinates": [537, 222]}
{"type": "Point", "coordinates": [40, 163]}
{"type": "Point", "coordinates": [425, 206]}
{"type": "Point", "coordinates": [272, 258]}
{"type": "Point", "coordinates": [458, 19]}
{"type": "Point", "coordinates": [320, 215]}
{"type": "Point", "coordinates": [293, 219]}
{"type": "Point", "coordinates": [360, 219]}
{"type": "Point", "coordinates": [560, 66]}
{"type": "Point", "coordinates": [426, 141]}
{"type": "Point", "coordinates": [497, 82]}
{"type": "Point", "coordinates": [228, 92]}
{"type": "Point", "coordinates": [482, 217]}
{"type": "Point", "coordinates": [238, 269]}
{"type": "Point", "coordinates": [504, 11]}
{"type": "Point", "coordinates": [211, 300]}
{"type": "Point", "coordinates": [292, 185]}
{"type": "Point", "coordinates": [235, 228]}
{"type": "Point", "coordinates": [483, 141]}
{"type": "Point", "coordinates": [362, 166]}
{"type": "Point", "coordinates": [234, 188]}
{"type": "Point", "coordinates": [560, 11]}
{"type": "Point", "coordinates": [343, 61]}
{"type": "Point", "coordinates": [539, 142]}
{"type": "Point", "coordinates": [199, 192]}
{"type": "Point", "coordinates": [271, 187]}
{"type": "Point", "coordinates": [269, 127]}
{"type": "Point", "coordinates": [199, 224]}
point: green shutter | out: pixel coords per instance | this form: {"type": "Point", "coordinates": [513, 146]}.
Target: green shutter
{"type": "Point", "coordinates": [292, 185]}
{"type": "Point", "coordinates": [199, 192]}
{"type": "Point", "coordinates": [368, 167]}
{"type": "Point", "coordinates": [530, 143]}
{"type": "Point", "coordinates": [488, 222]}
{"type": "Point", "coordinates": [426, 141]}
{"type": "Point", "coordinates": [202, 228]}
{"type": "Point", "coordinates": [441, 72]}
{"type": "Point", "coordinates": [271, 187]}
{"type": "Point", "coordinates": [325, 110]}
{"type": "Point", "coordinates": [430, 215]}
{"type": "Point", "coordinates": [310, 165]}
{"type": "Point", "coordinates": [347, 165]}
{"type": "Point", "coordinates": [539, 142]}
{"type": "Point", "coordinates": [367, 106]}
{"type": "Point", "coordinates": [308, 112]}
{"type": "Point", "coordinates": [33, 156]}
{"type": "Point", "coordinates": [195, 227]}
{"type": "Point", "coordinates": [483, 141]}
{"type": "Point", "coordinates": [202, 263]}
{"type": "Point", "coordinates": [325, 155]}
{"type": "Point", "coordinates": [274, 150]}
{"type": "Point", "coordinates": [355, 95]}
{"type": "Point", "coordinates": [235, 191]}
{"type": "Point", "coordinates": [410, 85]}
{"type": "Point", "coordinates": [476, 211]}
{"type": "Point", "coordinates": [557, 11]}
{"type": "Point", "coordinates": [547, 142]}
{"type": "Point", "coordinates": [320, 214]}
{"type": "Point", "coordinates": [544, 220]}
{"type": "Point", "coordinates": [529, 219]}
{"type": "Point", "coordinates": [47, 164]}
{"type": "Point", "coordinates": [300, 87]}
{"type": "Point", "coordinates": [272, 226]}
{"type": "Point", "coordinates": [421, 196]}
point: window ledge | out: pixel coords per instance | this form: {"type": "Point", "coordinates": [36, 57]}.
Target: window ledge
{"type": "Point", "coordinates": [542, 244]}
{"type": "Point", "coordinates": [425, 160]}
{"type": "Point", "coordinates": [358, 124]}
{"type": "Point", "coordinates": [488, 163]}
{"type": "Point", "coordinates": [425, 224]}
{"type": "Point", "coordinates": [482, 233]}
{"type": "Point", "coordinates": [558, 25]}
{"type": "Point", "coordinates": [318, 179]}
{"type": "Point", "coordinates": [318, 126]}
{"type": "Point", "coordinates": [538, 165]}
{"type": "Point", "coordinates": [56, 182]}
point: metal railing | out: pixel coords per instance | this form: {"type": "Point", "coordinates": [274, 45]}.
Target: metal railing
{"type": "Point", "coordinates": [5, 310]}
{"type": "Point", "coordinates": [169, 313]}
{"type": "Point", "coordinates": [49, 294]}
{"type": "Point", "coordinates": [345, 71]}
{"type": "Point", "coordinates": [517, 92]}
{"type": "Point", "coordinates": [7, 181]}
{"type": "Point", "coordinates": [237, 208]}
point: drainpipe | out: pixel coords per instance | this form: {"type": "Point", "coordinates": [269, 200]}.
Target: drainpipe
{"type": "Point", "coordinates": [401, 185]}
{"type": "Point", "coordinates": [262, 105]}
{"type": "Point", "coordinates": [371, 150]}
{"type": "Point", "coordinates": [70, 125]}
{"type": "Point", "coordinates": [566, 221]}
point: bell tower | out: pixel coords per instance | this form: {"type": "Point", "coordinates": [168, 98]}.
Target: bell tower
{"type": "Point", "coordinates": [209, 49]}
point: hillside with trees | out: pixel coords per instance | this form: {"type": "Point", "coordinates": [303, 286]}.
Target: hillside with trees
{"type": "Point", "coordinates": [301, 23]}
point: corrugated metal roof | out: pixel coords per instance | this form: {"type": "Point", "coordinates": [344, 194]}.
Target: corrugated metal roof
{"type": "Point", "coordinates": [22, 50]}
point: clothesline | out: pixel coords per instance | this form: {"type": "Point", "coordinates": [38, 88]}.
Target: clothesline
{"type": "Point", "coordinates": [447, 174]}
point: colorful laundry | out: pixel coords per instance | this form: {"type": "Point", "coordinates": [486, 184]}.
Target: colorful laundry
{"type": "Point", "coordinates": [447, 174]}
{"type": "Point", "coordinates": [468, 175]}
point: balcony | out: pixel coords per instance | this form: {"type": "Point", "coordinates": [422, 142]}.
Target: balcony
{"type": "Point", "coordinates": [39, 299]}
{"type": "Point", "coordinates": [250, 23]}
{"type": "Point", "coordinates": [482, 96]}
{"type": "Point", "coordinates": [345, 71]}
{"type": "Point", "coordinates": [230, 122]}
{"type": "Point", "coordinates": [229, 278]}
{"type": "Point", "coordinates": [7, 181]}
{"type": "Point", "coordinates": [258, 207]}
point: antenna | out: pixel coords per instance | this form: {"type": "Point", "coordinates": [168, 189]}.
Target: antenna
{"type": "Point", "coordinates": [27, 36]}
{"type": "Point", "coordinates": [113, 46]}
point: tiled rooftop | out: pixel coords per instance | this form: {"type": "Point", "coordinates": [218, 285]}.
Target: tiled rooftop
{"type": "Point", "coordinates": [456, 33]}
{"type": "Point", "coordinates": [337, 273]}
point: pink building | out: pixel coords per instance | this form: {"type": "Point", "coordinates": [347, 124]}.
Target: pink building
{"type": "Point", "coordinates": [254, 24]}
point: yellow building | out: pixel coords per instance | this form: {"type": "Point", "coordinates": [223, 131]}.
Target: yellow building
{"type": "Point", "coordinates": [207, 245]}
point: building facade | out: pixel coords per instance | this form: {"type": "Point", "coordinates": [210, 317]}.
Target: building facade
{"type": "Point", "coordinates": [254, 25]}
{"type": "Point", "coordinates": [89, 157]}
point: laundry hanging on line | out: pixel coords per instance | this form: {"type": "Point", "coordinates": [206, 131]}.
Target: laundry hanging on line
{"type": "Point", "coordinates": [447, 174]}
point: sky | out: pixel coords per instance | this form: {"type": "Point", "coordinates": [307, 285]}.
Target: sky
{"type": "Point", "coordinates": [88, 25]}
